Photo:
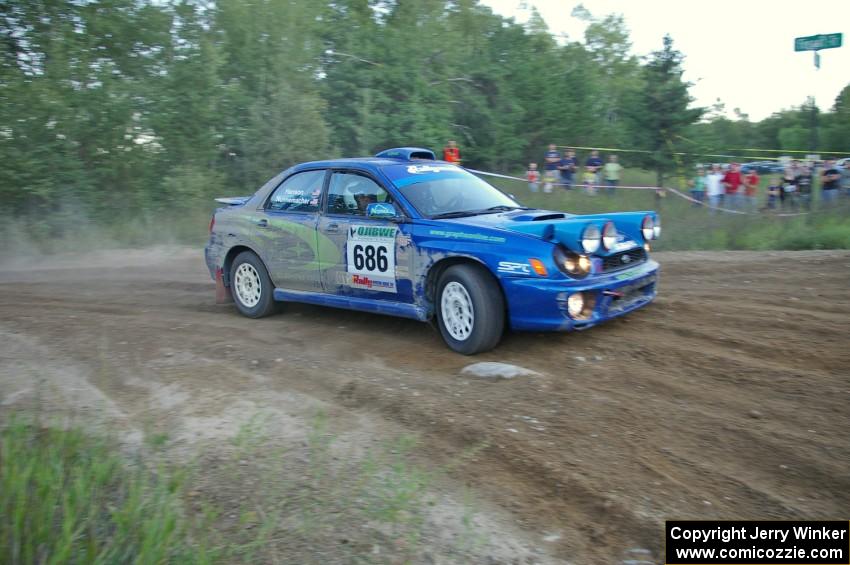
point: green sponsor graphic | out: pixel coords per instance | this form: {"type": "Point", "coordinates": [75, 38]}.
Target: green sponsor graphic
{"type": "Point", "coordinates": [322, 247]}
{"type": "Point", "coordinates": [627, 275]}
{"type": "Point", "coordinates": [464, 235]}
{"type": "Point", "coordinates": [366, 231]}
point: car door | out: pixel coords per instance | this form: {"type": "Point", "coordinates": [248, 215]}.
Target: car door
{"type": "Point", "coordinates": [285, 231]}
{"type": "Point", "coordinates": [373, 256]}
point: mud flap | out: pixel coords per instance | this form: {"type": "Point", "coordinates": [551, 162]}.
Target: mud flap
{"type": "Point", "coordinates": [222, 293]}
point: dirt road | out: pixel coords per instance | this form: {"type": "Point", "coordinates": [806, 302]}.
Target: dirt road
{"type": "Point", "coordinates": [727, 398]}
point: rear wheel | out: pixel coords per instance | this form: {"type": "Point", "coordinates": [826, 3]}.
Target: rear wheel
{"type": "Point", "coordinates": [251, 286]}
{"type": "Point", "coordinates": [470, 309]}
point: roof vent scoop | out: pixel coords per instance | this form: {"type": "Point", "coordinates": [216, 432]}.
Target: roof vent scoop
{"type": "Point", "coordinates": [407, 154]}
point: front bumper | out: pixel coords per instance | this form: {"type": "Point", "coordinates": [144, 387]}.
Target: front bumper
{"type": "Point", "coordinates": [541, 304]}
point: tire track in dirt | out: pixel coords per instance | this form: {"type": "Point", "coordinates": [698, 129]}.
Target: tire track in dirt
{"type": "Point", "coordinates": [727, 398]}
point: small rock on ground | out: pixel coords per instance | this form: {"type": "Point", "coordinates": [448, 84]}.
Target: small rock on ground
{"type": "Point", "coordinates": [492, 370]}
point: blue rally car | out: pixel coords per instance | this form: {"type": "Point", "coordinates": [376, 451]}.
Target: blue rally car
{"type": "Point", "coordinates": [406, 235]}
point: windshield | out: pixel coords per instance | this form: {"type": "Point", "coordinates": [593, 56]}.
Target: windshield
{"type": "Point", "coordinates": [446, 190]}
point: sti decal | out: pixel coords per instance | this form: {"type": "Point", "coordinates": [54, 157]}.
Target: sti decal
{"type": "Point", "coordinates": [514, 268]}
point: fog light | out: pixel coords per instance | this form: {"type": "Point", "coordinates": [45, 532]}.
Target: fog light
{"type": "Point", "coordinates": [575, 305]}
{"type": "Point", "coordinates": [584, 263]}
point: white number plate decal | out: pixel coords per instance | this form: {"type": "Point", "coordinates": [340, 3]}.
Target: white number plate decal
{"type": "Point", "coordinates": [370, 257]}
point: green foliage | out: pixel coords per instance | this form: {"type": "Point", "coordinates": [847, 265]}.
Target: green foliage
{"type": "Point", "coordinates": [68, 498]}
{"type": "Point", "coordinates": [661, 111]}
{"type": "Point", "coordinates": [128, 113]}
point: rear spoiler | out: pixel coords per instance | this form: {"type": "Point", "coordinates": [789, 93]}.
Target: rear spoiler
{"type": "Point", "coordinates": [234, 200]}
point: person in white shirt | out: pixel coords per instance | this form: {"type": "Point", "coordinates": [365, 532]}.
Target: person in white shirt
{"type": "Point", "coordinates": [714, 188]}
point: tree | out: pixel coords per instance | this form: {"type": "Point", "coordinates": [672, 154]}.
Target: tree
{"type": "Point", "coordinates": [661, 111]}
{"type": "Point", "coordinates": [614, 78]}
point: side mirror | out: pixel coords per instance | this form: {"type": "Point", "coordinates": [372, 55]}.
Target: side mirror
{"type": "Point", "coordinates": [383, 211]}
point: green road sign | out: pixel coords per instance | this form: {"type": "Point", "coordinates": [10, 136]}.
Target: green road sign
{"type": "Point", "coordinates": [816, 42]}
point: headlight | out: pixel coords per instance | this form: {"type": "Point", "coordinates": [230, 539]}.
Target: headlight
{"type": "Point", "coordinates": [609, 236]}
{"type": "Point", "coordinates": [657, 228]}
{"type": "Point", "coordinates": [647, 228]}
{"type": "Point", "coordinates": [591, 238]}
{"type": "Point", "coordinates": [572, 264]}
{"type": "Point", "coordinates": [575, 305]}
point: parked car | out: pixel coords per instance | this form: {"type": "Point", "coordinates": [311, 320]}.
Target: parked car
{"type": "Point", "coordinates": [406, 235]}
{"type": "Point", "coordinates": [763, 167]}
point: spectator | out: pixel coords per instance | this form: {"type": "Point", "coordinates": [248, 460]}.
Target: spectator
{"type": "Point", "coordinates": [593, 164]}
{"type": "Point", "coordinates": [714, 187]}
{"type": "Point", "coordinates": [611, 171]}
{"type": "Point", "coordinates": [533, 176]}
{"type": "Point", "coordinates": [845, 178]}
{"type": "Point", "coordinates": [567, 166]}
{"type": "Point", "coordinates": [787, 197]}
{"type": "Point", "coordinates": [773, 192]}
{"type": "Point", "coordinates": [552, 160]}
{"type": "Point", "coordinates": [697, 185]}
{"type": "Point", "coordinates": [804, 187]}
{"type": "Point", "coordinates": [830, 179]}
{"type": "Point", "coordinates": [732, 182]}
{"type": "Point", "coordinates": [451, 153]}
{"type": "Point", "coordinates": [751, 185]}
{"type": "Point", "coordinates": [589, 182]}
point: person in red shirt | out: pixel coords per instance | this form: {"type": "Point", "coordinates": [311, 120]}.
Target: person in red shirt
{"type": "Point", "coordinates": [533, 176]}
{"type": "Point", "coordinates": [751, 184]}
{"type": "Point", "coordinates": [451, 153]}
{"type": "Point", "coordinates": [732, 180]}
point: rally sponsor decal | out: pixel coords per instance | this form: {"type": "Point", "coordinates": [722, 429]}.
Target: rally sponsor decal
{"type": "Point", "coordinates": [369, 283]}
{"type": "Point", "coordinates": [380, 209]}
{"type": "Point", "coordinates": [624, 245]}
{"type": "Point", "coordinates": [465, 235]}
{"type": "Point", "coordinates": [370, 257]}
{"type": "Point", "coordinates": [626, 275]}
{"type": "Point", "coordinates": [419, 169]}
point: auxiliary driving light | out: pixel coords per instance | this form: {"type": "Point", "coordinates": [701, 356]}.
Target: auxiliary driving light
{"type": "Point", "coordinates": [609, 236]}
{"type": "Point", "coordinates": [657, 229]}
{"type": "Point", "coordinates": [647, 228]}
{"type": "Point", "coordinates": [591, 238]}
{"type": "Point", "coordinates": [575, 305]}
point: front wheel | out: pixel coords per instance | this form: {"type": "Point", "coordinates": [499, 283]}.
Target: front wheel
{"type": "Point", "coordinates": [470, 309]}
{"type": "Point", "coordinates": [251, 286]}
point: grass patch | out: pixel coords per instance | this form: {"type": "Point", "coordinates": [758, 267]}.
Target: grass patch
{"type": "Point", "coordinates": [69, 497]}
{"type": "Point", "coordinates": [66, 497]}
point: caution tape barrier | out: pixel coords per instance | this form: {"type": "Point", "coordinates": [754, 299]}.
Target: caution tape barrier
{"type": "Point", "coordinates": [655, 188]}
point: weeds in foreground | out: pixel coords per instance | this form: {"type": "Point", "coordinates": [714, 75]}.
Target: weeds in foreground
{"type": "Point", "coordinates": [66, 497]}
{"type": "Point", "coordinates": [69, 497]}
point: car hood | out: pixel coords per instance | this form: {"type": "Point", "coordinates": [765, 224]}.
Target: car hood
{"type": "Point", "coordinates": [561, 227]}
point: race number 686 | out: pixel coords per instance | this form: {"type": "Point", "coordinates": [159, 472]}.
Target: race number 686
{"type": "Point", "coordinates": [370, 258]}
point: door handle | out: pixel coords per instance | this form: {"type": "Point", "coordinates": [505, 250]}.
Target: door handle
{"type": "Point", "coordinates": [264, 223]}
{"type": "Point", "coordinates": [332, 228]}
